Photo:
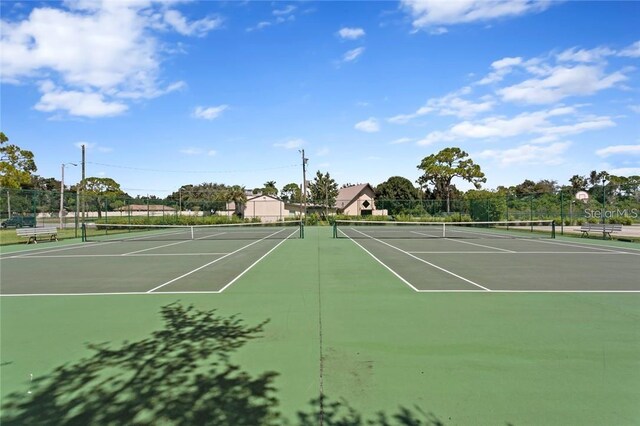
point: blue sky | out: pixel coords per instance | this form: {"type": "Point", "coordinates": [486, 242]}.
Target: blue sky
{"type": "Point", "coordinates": [165, 94]}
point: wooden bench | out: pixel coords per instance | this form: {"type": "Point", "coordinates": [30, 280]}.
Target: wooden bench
{"type": "Point", "coordinates": [32, 234]}
{"type": "Point", "coordinates": [603, 228]}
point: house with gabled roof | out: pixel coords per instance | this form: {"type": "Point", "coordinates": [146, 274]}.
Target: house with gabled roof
{"type": "Point", "coordinates": [356, 200]}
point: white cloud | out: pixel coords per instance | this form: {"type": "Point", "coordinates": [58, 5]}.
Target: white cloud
{"type": "Point", "coordinates": [528, 154]}
{"type": "Point", "coordinates": [560, 83]}
{"type": "Point", "coordinates": [438, 31]}
{"type": "Point", "coordinates": [625, 171]}
{"type": "Point", "coordinates": [259, 26]}
{"type": "Point", "coordinates": [211, 152]}
{"type": "Point", "coordinates": [351, 33]}
{"type": "Point", "coordinates": [501, 68]}
{"type": "Point", "coordinates": [209, 113]}
{"type": "Point", "coordinates": [450, 104]}
{"type": "Point", "coordinates": [284, 11]}
{"type": "Point", "coordinates": [635, 108]}
{"type": "Point", "coordinates": [353, 54]}
{"type": "Point", "coordinates": [584, 55]}
{"type": "Point", "coordinates": [102, 50]}
{"type": "Point", "coordinates": [290, 144]}
{"type": "Point", "coordinates": [528, 123]}
{"type": "Point", "coordinates": [81, 104]}
{"type": "Point", "coordinates": [370, 125]}
{"type": "Point", "coordinates": [191, 151]}
{"type": "Point", "coordinates": [619, 150]}
{"type": "Point", "coordinates": [198, 28]}
{"type": "Point", "coordinates": [92, 146]}
{"type": "Point", "coordinates": [632, 51]}
{"type": "Point", "coordinates": [434, 13]}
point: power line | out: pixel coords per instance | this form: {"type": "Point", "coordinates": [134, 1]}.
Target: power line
{"type": "Point", "coordinates": [141, 169]}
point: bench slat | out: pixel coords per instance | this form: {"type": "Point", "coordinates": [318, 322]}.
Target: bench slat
{"type": "Point", "coordinates": [32, 234]}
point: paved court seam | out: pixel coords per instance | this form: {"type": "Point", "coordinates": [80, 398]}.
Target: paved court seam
{"type": "Point", "coordinates": [211, 263]}
{"type": "Point", "coordinates": [381, 262]}
{"type": "Point", "coordinates": [428, 263]}
{"type": "Point", "coordinates": [254, 263]}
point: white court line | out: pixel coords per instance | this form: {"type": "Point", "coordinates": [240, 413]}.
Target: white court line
{"type": "Point", "coordinates": [212, 262]}
{"type": "Point", "coordinates": [73, 256]}
{"type": "Point", "coordinates": [593, 247]}
{"type": "Point", "coordinates": [381, 262]}
{"type": "Point", "coordinates": [517, 252]}
{"type": "Point", "coordinates": [169, 245]}
{"type": "Point", "coordinates": [36, 251]}
{"type": "Point", "coordinates": [132, 293]}
{"type": "Point", "coordinates": [473, 244]}
{"type": "Point", "coordinates": [218, 292]}
{"type": "Point", "coordinates": [255, 263]}
{"type": "Point", "coordinates": [424, 261]}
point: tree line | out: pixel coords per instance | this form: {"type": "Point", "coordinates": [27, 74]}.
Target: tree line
{"type": "Point", "coordinates": [396, 194]}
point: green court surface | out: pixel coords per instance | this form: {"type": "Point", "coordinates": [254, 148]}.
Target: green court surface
{"type": "Point", "coordinates": [476, 332]}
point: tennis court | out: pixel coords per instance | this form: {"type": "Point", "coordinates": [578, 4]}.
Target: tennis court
{"type": "Point", "coordinates": [145, 260]}
{"type": "Point", "coordinates": [485, 257]}
{"type": "Point", "coordinates": [485, 328]}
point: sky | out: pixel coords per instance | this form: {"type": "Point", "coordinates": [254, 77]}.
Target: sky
{"type": "Point", "coordinates": [165, 94]}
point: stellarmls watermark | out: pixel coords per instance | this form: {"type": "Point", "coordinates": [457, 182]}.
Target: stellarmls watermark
{"type": "Point", "coordinates": [607, 214]}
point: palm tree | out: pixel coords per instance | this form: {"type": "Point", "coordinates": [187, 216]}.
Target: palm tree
{"type": "Point", "coordinates": [237, 195]}
{"type": "Point", "coordinates": [270, 188]}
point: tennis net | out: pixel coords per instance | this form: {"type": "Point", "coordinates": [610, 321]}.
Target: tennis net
{"type": "Point", "coordinates": [403, 230]}
{"type": "Point", "coordinates": [231, 231]}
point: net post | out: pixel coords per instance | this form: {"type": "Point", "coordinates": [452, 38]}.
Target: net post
{"type": "Point", "coordinates": [444, 230]}
{"type": "Point", "coordinates": [301, 230]}
{"type": "Point", "coordinates": [335, 229]}
{"type": "Point", "coordinates": [191, 229]}
{"type": "Point", "coordinates": [83, 232]}
{"type": "Point", "coordinates": [553, 229]}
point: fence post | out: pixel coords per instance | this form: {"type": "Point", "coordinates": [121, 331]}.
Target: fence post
{"type": "Point", "coordinates": [561, 212]}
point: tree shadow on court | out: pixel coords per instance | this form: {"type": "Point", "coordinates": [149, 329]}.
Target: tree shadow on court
{"type": "Point", "coordinates": [181, 374]}
{"type": "Point", "coordinates": [326, 412]}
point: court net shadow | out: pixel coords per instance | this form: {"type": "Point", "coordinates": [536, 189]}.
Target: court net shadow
{"type": "Point", "coordinates": [181, 374]}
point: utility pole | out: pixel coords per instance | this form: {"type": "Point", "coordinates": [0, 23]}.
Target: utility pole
{"type": "Point", "coordinates": [304, 185]}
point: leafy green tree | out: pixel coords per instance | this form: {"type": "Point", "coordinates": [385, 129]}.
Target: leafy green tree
{"type": "Point", "coordinates": [323, 190]}
{"type": "Point", "coordinates": [486, 205]}
{"type": "Point", "coordinates": [206, 197]}
{"type": "Point", "coordinates": [101, 192]}
{"type": "Point", "coordinates": [16, 165]}
{"type": "Point", "coordinates": [440, 169]}
{"type": "Point", "coordinates": [397, 195]}
{"type": "Point", "coordinates": [291, 192]}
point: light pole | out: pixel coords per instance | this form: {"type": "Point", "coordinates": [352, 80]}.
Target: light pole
{"type": "Point", "coordinates": [62, 193]}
